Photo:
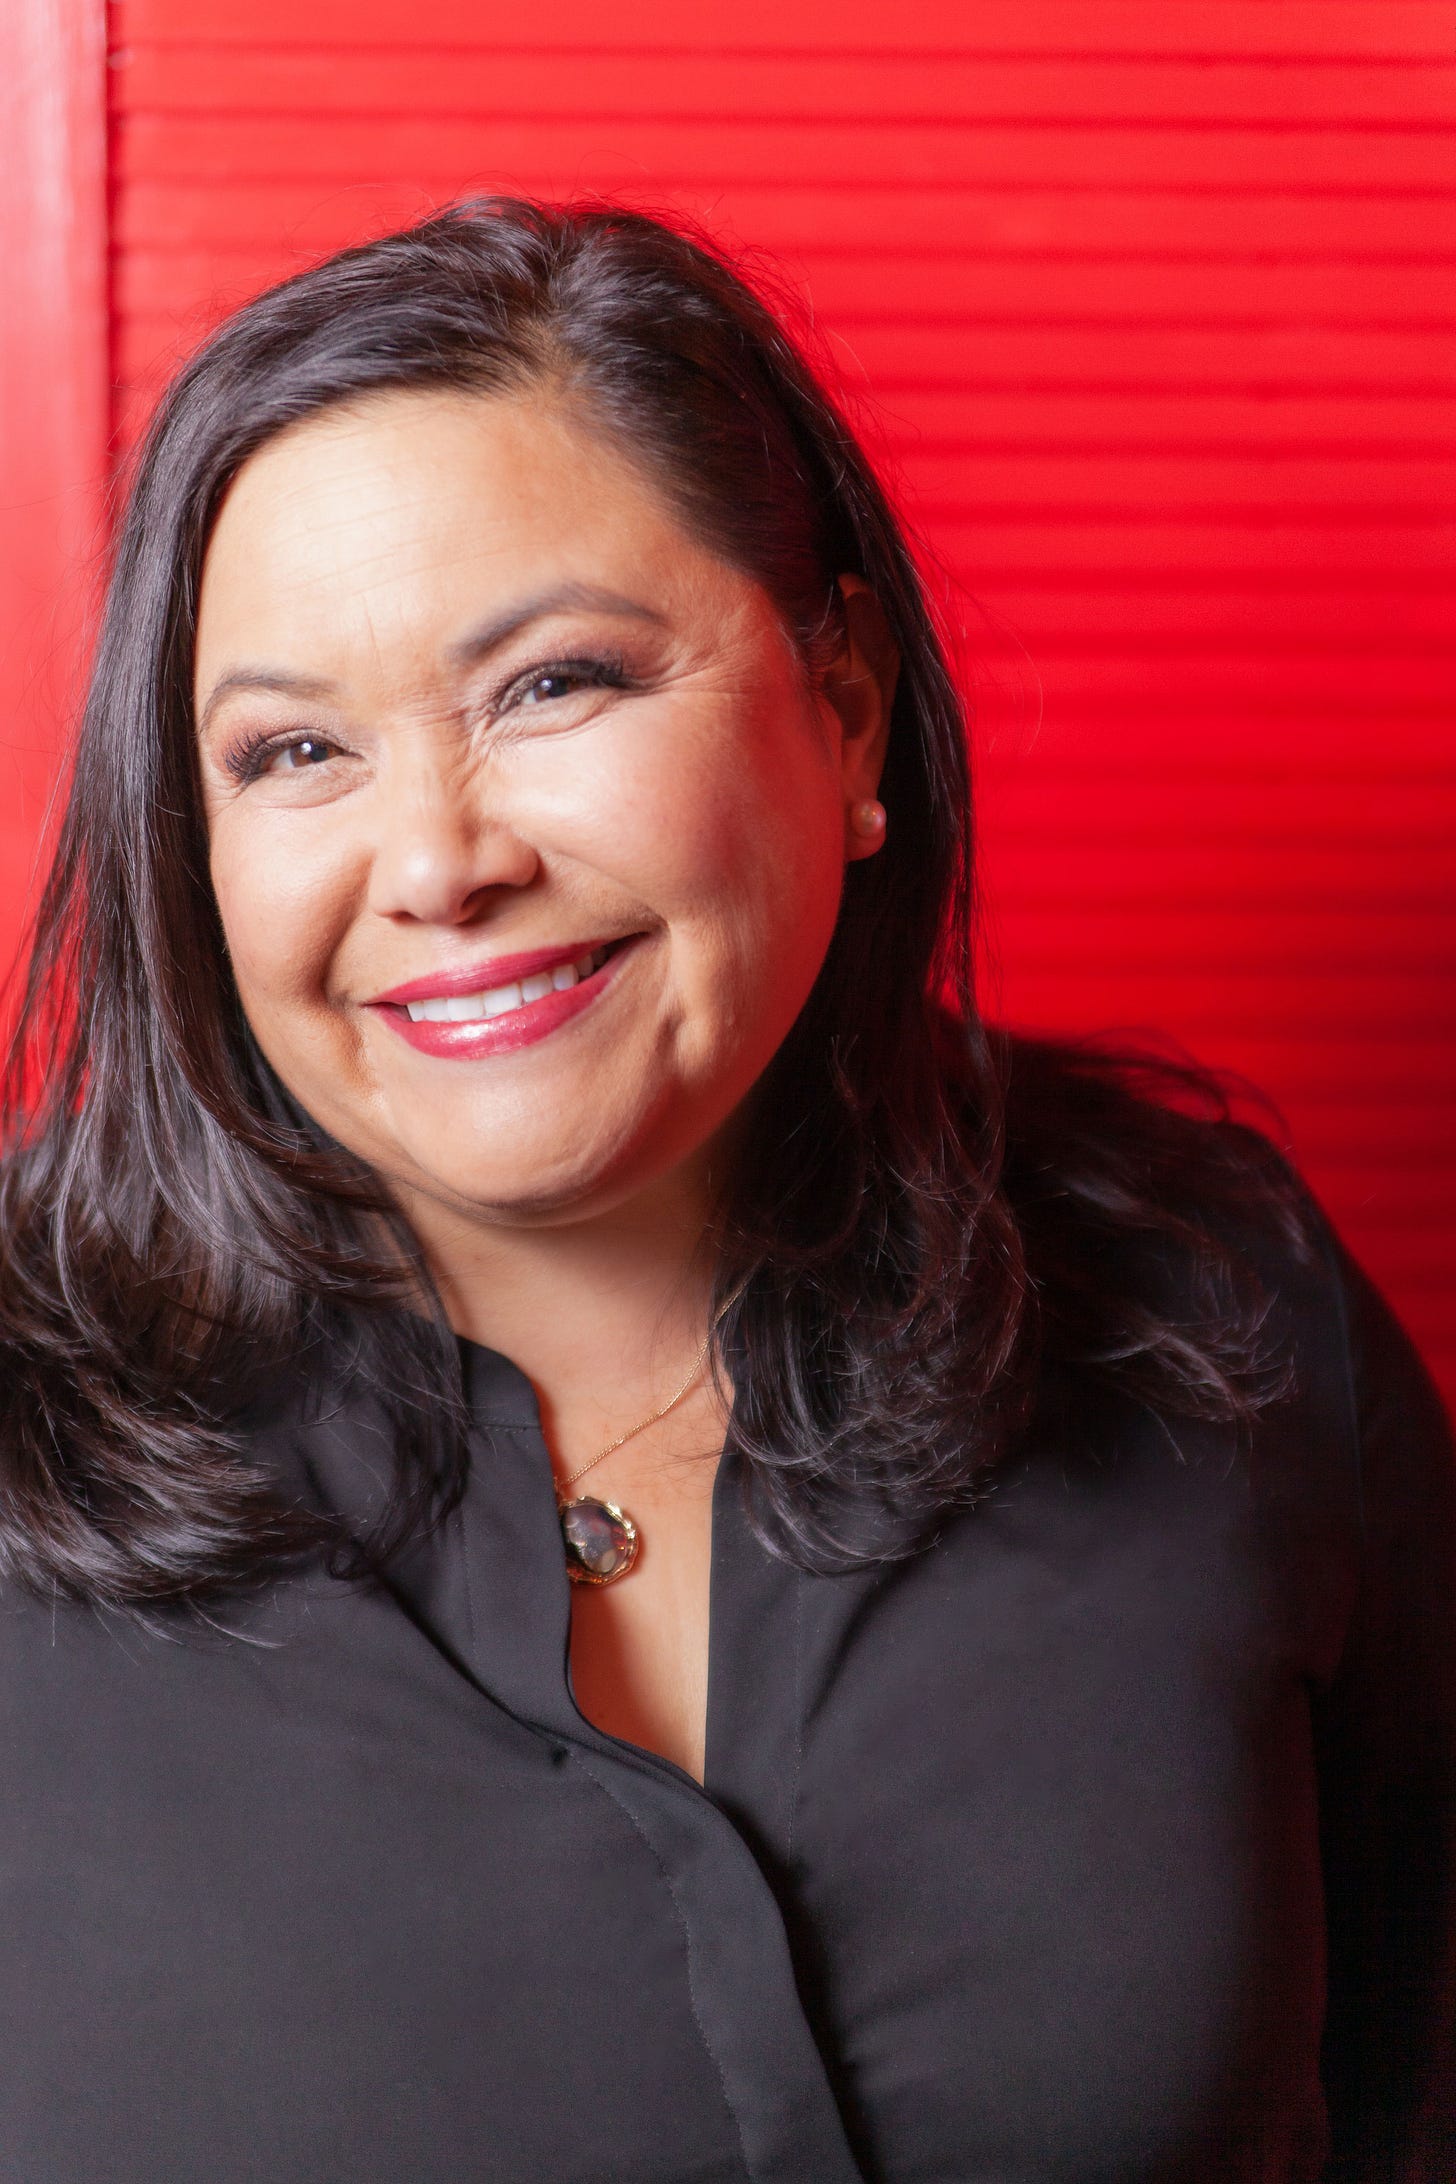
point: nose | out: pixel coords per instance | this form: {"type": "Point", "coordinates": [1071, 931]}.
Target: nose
{"type": "Point", "coordinates": [439, 855]}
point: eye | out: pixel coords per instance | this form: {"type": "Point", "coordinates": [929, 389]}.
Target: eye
{"type": "Point", "coordinates": [558, 680]}
{"type": "Point", "coordinates": [558, 684]}
{"type": "Point", "coordinates": [274, 755]}
{"type": "Point", "coordinates": [294, 757]}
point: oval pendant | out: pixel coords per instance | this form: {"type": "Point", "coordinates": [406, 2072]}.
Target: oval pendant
{"type": "Point", "coordinates": [600, 1539]}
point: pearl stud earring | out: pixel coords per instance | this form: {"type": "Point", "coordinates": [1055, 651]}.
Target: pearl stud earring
{"type": "Point", "coordinates": [868, 818]}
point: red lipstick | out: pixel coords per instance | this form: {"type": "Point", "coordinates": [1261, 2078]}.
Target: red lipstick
{"type": "Point", "coordinates": [504, 970]}
{"type": "Point", "coordinates": [477, 1038]}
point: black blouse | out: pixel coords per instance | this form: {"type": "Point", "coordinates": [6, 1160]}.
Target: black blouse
{"type": "Point", "coordinates": [1109, 1839]}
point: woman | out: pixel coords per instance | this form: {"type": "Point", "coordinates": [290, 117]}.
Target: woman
{"type": "Point", "coordinates": [636, 1551]}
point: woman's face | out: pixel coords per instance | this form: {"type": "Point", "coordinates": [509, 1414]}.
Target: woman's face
{"type": "Point", "coordinates": [527, 830]}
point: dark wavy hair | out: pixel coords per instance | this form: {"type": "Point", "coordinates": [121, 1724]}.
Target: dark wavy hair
{"type": "Point", "coordinates": [930, 1221]}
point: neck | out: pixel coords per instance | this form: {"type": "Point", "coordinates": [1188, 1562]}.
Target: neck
{"type": "Point", "coordinates": [603, 1315]}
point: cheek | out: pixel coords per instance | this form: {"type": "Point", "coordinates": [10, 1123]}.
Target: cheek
{"type": "Point", "coordinates": [769, 832]}
{"type": "Point", "coordinates": [280, 895]}
{"type": "Point", "coordinates": [735, 837]}
{"type": "Point", "coordinates": [721, 815]}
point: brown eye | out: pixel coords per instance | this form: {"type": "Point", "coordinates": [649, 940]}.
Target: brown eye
{"type": "Point", "coordinates": [559, 680]}
{"type": "Point", "coordinates": [273, 755]}
{"type": "Point", "coordinates": [308, 751]}
{"type": "Point", "coordinates": [558, 684]}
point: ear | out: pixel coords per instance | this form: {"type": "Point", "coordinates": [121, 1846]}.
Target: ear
{"type": "Point", "coordinates": [859, 687]}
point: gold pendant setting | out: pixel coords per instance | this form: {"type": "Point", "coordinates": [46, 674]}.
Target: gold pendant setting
{"type": "Point", "coordinates": [601, 1541]}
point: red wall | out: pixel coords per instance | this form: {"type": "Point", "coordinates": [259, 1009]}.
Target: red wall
{"type": "Point", "coordinates": [1153, 300]}
{"type": "Point", "coordinates": [54, 401]}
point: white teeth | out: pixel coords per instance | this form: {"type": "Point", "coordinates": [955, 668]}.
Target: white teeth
{"type": "Point", "coordinates": [469, 1008]}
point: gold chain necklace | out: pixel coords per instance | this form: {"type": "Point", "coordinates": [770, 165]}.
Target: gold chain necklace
{"type": "Point", "coordinates": [600, 1539]}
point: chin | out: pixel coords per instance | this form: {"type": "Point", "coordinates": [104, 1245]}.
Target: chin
{"type": "Point", "coordinates": [533, 1191]}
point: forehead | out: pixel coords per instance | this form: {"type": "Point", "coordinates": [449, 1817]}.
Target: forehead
{"type": "Point", "coordinates": [386, 521]}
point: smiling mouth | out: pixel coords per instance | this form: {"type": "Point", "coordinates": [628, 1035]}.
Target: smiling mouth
{"type": "Point", "coordinates": [494, 1001]}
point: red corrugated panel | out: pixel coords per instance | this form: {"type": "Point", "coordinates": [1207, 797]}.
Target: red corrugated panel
{"type": "Point", "coordinates": [53, 408]}
{"type": "Point", "coordinates": [1149, 308]}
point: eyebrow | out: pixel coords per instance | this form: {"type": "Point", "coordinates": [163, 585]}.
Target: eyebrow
{"type": "Point", "coordinates": [560, 599]}
{"type": "Point", "coordinates": [469, 651]}
{"type": "Point", "coordinates": [277, 680]}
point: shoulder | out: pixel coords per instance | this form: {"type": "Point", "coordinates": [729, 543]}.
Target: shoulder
{"type": "Point", "coordinates": [1166, 1246]}
{"type": "Point", "coordinates": [1150, 1216]}
{"type": "Point", "coordinates": [1115, 1130]}
{"type": "Point", "coordinates": [1181, 1262]}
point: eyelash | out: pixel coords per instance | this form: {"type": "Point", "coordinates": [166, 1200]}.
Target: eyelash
{"type": "Point", "coordinates": [603, 671]}
{"type": "Point", "coordinates": [247, 760]}
{"type": "Point", "coordinates": [599, 670]}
